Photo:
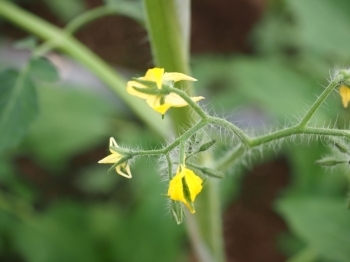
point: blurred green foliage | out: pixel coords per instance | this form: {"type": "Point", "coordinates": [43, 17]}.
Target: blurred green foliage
{"type": "Point", "coordinates": [70, 209]}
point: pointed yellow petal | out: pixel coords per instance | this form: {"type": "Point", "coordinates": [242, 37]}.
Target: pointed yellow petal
{"type": "Point", "coordinates": [175, 191]}
{"type": "Point", "coordinates": [177, 77]}
{"type": "Point", "coordinates": [154, 103]}
{"type": "Point", "coordinates": [134, 92]}
{"type": "Point", "coordinates": [194, 183]}
{"type": "Point", "coordinates": [123, 170]}
{"type": "Point", "coordinates": [155, 75]}
{"type": "Point", "coordinates": [345, 95]}
{"type": "Point", "coordinates": [112, 142]}
{"type": "Point", "coordinates": [110, 159]}
{"type": "Point", "coordinates": [176, 101]}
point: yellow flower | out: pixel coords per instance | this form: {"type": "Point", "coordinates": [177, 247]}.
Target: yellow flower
{"type": "Point", "coordinates": [185, 186]}
{"type": "Point", "coordinates": [122, 169]}
{"type": "Point", "coordinates": [345, 95]}
{"type": "Point", "coordinates": [158, 101]}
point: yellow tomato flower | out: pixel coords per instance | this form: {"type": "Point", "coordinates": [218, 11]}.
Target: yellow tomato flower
{"type": "Point", "coordinates": [123, 169]}
{"type": "Point", "coordinates": [160, 102]}
{"type": "Point", "coordinates": [185, 186]}
{"type": "Point", "coordinates": [345, 95]}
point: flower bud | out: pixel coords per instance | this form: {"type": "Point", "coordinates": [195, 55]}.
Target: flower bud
{"type": "Point", "coordinates": [329, 161]}
{"type": "Point", "coordinates": [207, 145]}
{"type": "Point", "coordinates": [342, 148]}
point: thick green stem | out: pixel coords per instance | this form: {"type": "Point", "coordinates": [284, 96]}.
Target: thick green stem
{"type": "Point", "coordinates": [168, 27]}
{"type": "Point", "coordinates": [83, 55]}
{"type": "Point", "coordinates": [168, 33]}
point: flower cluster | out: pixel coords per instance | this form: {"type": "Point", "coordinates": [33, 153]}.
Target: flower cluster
{"type": "Point", "coordinates": [156, 87]}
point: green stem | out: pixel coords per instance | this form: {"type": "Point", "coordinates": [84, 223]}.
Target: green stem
{"type": "Point", "coordinates": [83, 55]}
{"type": "Point", "coordinates": [190, 102]}
{"type": "Point", "coordinates": [167, 23]}
{"type": "Point", "coordinates": [168, 43]}
{"type": "Point", "coordinates": [74, 25]}
{"type": "Point", "coordinates": [229, 126]}
{"type": "Point", "coordinates": [335, 82]}
{"type": "Point", "coordinates": [168, 32]}
{"type": "Point", "coordinates": [182, 155]}
{"type": "Point", "coordinates": [88, 17]}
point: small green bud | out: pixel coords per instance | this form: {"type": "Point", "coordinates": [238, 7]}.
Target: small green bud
{"type": "Point", "coordinates": [121, 161]}
{"type": "Point", "coordinates": [206, 146]}
{"type": "Point", "coordinates": [329, 161]}
{"type": "Point", "coordinates": [342, 148]}
{"type": "Point", "coordinates": [177, 211]}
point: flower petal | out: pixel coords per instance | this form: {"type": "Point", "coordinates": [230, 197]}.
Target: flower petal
{"type": "Point", "coordinates": [175, 191]}
{"type": "Point", "coordinates": [177, 77]}
{"type": "Point", "coordinates": [154, 103]}
{"type": "Point", "coordinates": [110, 159]}
{"type": "Point", "coordinates": [155, 75]}
{"type": "Point", "coordinates": [194, 183]}
{"type": "Point", "coordinates": [123, 170]}
{"type": "Point", "coordinates": [176, 101]}
{"type": "Point", "coordinates": [345, 95]}
{"type": "Point", "coordinates": [134, 92]}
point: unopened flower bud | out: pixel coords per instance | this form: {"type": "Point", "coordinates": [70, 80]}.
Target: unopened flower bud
{"type": "Point", "coordinates": [329, 161]}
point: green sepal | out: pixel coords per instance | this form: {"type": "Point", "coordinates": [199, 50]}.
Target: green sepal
{"type": "Point", "coordinates": [149, 84]}
{"type": "Point", "coordinates": [177, 211]}
{"type": "Point", "coordinates": [187, 194]}
{"type": "Point", "coordinates": [148, 90]}
{"type": "Point", "coordinates": [121, 161]}
{"type": "Point", "coordinates": [345, 73]}
{"type": "Point", "coordinates": [212, 172]}
{"type": "Point", "coordinates": [162, 100]}
{"type": "Point", "coordinates": [120, 150]}
{"type": "Point", "coordinates": [207, 170]}
{"type": "Point", "coordinates": [329, 161]}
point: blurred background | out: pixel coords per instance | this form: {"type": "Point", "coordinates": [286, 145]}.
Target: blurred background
{"type": "Point", "coordinates": [260, 64]}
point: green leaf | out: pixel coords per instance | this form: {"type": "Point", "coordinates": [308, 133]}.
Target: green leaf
{"type": "Point", "coordinates": [60, 234]}
{"type": "Point", "coordinates": [324, 24]}
{"type": "Point", "coordinates": [18, 106]}
{"type": "Point", "coordinates": [43, 69]}
{"type": "Point", "coordinates": [73, 121]}
{"type": "Point", "coordinates": [323, 223]}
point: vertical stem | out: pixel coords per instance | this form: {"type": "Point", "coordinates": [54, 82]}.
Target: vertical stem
{"type": "Point", "coordinates": [210, 219]}
{"type": "Point", "coordinates": [169, 38]}
{"type": "Point", "coordinates": [168, 32]}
